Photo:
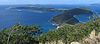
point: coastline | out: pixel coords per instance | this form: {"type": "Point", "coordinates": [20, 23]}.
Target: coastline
{"type": "Point", "coordinates": [56, 25]}
{"type": "Point", "coordinates": [67, 17]}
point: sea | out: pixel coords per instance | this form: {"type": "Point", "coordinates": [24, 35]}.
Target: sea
{"type": "Point", "coordinates": [10, 17]}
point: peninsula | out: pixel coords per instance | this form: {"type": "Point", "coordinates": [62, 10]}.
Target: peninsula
{"type": "Point", "coordinates": [65, 18]}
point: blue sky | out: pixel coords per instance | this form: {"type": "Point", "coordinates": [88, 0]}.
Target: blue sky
{"type": "Point", "coordinates": [10, 2]}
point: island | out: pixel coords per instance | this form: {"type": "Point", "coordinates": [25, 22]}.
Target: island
{"type": "Point", "coordinates": [38, 8]}
{"type": "Point", "coordinates": [67, 17]}
{"type": "Point", "coordinates": [95, 4]}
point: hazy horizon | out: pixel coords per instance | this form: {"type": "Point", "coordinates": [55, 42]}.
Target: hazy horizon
{"type": "Point", "coordinates": [18, 2]}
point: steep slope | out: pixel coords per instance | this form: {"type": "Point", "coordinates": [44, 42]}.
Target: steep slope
{"type": "Point", "coordinates": [70, 33]}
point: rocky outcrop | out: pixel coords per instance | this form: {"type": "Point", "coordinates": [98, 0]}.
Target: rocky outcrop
{"type": "Point", "coordinates": [75, 43]}
{"type": "Point", "coordinates": [94, 38]}
{"type": "Point", "coordinates": [54, 42]}
{"type": "Point", "coordinates": [91, 39]}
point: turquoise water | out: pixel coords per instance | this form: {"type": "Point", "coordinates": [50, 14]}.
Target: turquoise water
{"type": "Point", "coordinates": [27, 17]}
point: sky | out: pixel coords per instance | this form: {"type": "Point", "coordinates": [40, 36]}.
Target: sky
{"type": "Point", "coordinates": [12, 2]}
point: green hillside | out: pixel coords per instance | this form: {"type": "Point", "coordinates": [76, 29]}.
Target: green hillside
{"type": "Point", "coordinates": [19, 34]}
{"type": "Point", "coordinates": [70, 33]}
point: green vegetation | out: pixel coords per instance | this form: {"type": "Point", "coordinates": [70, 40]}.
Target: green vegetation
{"type": "Point", "coordinates": [70, 33]}
{"type": "Point", "coordinates": [20, 34]}
{"type": "Point", "coordinates": [68, 16]}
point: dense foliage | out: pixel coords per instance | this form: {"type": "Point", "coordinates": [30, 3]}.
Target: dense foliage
{"type": "Point", "coordinates": [69, 33]}
{"type": "Point", "coordinates": [20, 34]}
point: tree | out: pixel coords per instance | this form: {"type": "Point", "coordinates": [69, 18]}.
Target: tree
{"type": "Point", "coordinates": [20, 34]}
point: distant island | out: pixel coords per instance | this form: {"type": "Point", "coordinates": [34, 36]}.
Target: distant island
{"type": "Point", "coordinates": [39, 8]}
{"type": "Point", "coordinates": [94, 4]}
{"type": "Point", "coordinates": [64, 18]}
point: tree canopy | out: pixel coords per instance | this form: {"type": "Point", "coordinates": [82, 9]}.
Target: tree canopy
{"type": "Point", "coordinates": [20, 34]}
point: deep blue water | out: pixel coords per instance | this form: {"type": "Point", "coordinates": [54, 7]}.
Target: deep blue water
{"type": "Point", "coordinates": [28, 17]}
